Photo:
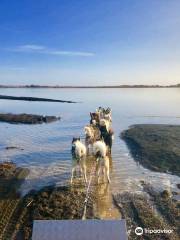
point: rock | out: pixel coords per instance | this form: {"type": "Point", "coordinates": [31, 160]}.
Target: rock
{"type": "Point", "coordinates": [155, 146]}
{"type": "Point", "coordinates": [27, 118]}
{"type": "Point", "coordinates": [165, 194]}
{"type": "Point", "coordinates": [44, 195]}
{"type": "Point", "coordinates": [13, 147]}
{"type": "Point", "coordinates": [36, 99]}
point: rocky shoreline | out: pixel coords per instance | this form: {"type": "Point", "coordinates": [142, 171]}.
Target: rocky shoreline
{"type": "Point", "coordinates": [17, 213]}
{"type": "Point", "coordinates": [155, 146]}
{"type": "Point", "coordinates": [149, 210]}
{"type": "Point", "coordinates": [27, 118]}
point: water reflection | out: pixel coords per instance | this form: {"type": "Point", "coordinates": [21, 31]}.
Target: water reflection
{"type": "Point", "coordinates": [103, 206]}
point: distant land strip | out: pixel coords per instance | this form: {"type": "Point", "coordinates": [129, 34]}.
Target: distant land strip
{"type": "Point", "coordinates": [34, 99]}
{"type": "Point", "coordinates": [98, 86]}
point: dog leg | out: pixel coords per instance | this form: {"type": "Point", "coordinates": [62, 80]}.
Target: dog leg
{"type": "Point", "coordinates": [107, 173]}
{"type": "Point", "coordinates": [72, 175]}
{"type": "Point", "coordinates": [103, 172]}
{"type": "Point", "coordinates": [83, 167]}
{"type": "Point", "coordinates": [81, 171]}
{"type": "Point", "coordinates": [107, 169]}
{"type": "Point", "coordinates": [99, 170]}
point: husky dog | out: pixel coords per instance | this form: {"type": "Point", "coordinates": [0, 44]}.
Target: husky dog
{"type": "Point", "coordinates": [103, 166]}
{"type": "Point", "coordinates": [89, 131]}
{"type": "Point", "coordinates": [92, 134]}
{"type": "Point", "coordinates": [108, 115]}
{"type": "Point", "coordinates": [108, 137]}
{"type": "Point", "coordinates": [104, 113]}
{"type": "Point", "coordinates": [102, 120]}
{"type": "Point", "coordinates": [79, 156]}
{"type": "Point", "coordinates": [106, 123]}
{"type": "Point", "coordinates": [95, 118]}
{"type": "Point", "coordinates": [100, 111]}
{"type": "Point", "coordinates": [100, 152]}
{"type": "Point", "coordinates": [99, 149]}
{"type": "Point", "coordinates": [89, 137]}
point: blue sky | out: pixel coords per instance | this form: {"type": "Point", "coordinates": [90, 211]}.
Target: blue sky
{"type": "Point", "coordinates": [89, 42]}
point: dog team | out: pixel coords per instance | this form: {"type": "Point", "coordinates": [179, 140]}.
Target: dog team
{"type": "Point", "coordinates": [98, 143]}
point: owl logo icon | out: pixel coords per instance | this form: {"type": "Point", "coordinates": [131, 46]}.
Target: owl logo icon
{"type": "Point", "coordinates": [139, 231]}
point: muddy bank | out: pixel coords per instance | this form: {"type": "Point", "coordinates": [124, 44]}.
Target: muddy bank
{"type": "Point", "coordinates": [34, 99]}
{"type": "Point", "coordinates": [11, 179]}
{"type": "Point", "coordinates": [17, 213]}
{"type": "Point", "coordinates": [150, 210]}
{"type": "Point", "coordinates": [52, 204]}
{"type": "Point", "coordinates": [156, 147]}
{"type": "Point", "coordinates": [27, 118]}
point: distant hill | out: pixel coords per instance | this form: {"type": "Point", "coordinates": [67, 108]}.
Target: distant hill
{"type": "Point", "coordinates": [83, 86]}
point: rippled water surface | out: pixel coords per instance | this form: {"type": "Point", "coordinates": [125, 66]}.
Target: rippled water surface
{"type": "Point", "coordinates": [47, 147]}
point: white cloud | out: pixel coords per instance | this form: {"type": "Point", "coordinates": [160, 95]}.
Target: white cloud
{"type": "Point", "coordinates": [31, 48]}
{"type": "Point", "coordinates": [71, 53]}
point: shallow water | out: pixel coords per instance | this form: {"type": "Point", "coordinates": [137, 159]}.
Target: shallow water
{"type": "Point", "coordinates": [47, 146]}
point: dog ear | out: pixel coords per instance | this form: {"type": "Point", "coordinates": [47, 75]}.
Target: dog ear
{"type": "Point", "coordinates": [79, 138]}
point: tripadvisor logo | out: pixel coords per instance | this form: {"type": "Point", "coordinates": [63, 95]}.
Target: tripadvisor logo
{"type": "Point", "coordinates": [151, 231]}
{"type": "Point", "coordinates": [139, 231]}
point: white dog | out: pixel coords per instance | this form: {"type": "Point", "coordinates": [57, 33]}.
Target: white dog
{"type": "Point", "coordinates": [104, 122]}
{"type": "Point", "coordinates": [99, 148]}
{"type": "Point", "coordinates": [104, 113]}
{"type": "Point", "coordinates": [79, 156]}
{"type": "Point", "coordinates": [100, 152]}
{"type": "Point", "coordinates": [108, 117]}
{"type": "Point", "coordinates": [92, 133]}
{"type": "Point", "coordinates": [89, 131]}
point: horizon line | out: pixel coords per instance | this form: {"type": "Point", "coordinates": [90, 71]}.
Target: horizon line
{"type": "Point", "coordinates": [90, 86]}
